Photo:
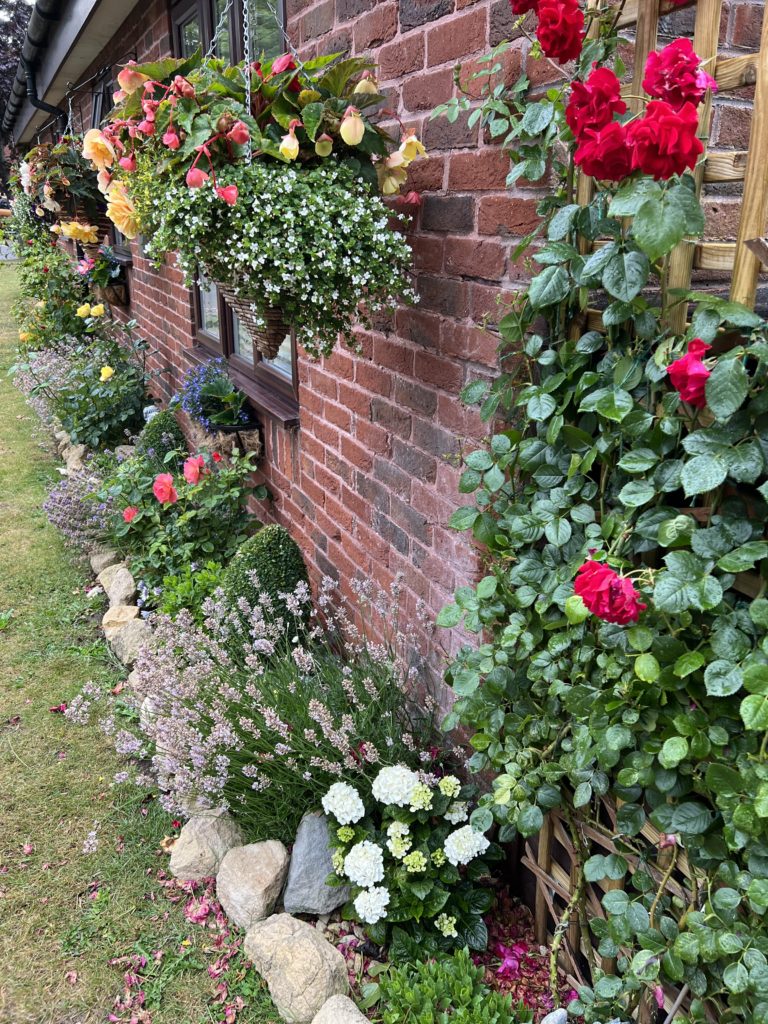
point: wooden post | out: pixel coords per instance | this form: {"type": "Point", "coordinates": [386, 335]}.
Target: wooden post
{"type": "Point", "coordinates": [705, 40]}
{"type": "Point", "coordinates": [754, 208]}
{"type": "Point", "coordinates": [543, 859]}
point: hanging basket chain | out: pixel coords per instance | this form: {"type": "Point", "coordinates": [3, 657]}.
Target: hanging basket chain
{"type": "Point", "coordinates": [223, 19]}
{"type": "Point", "coordinates": [247, 72]}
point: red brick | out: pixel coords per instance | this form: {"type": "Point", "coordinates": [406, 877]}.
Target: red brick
{"type": "Point", "coordinates": [393, 354]}
{"type": "Point", "coordinates": [471, 258]}
{"type": "Point", "coordinates": [373, 436]}
{"type": "Point", "coordinates": [439, 372]}
{"type": "Point", "coordinates": [747, 24]}
{"type": "Point", "coordinates": [401, 58]}
{"type": "Point", "coordinates": [483, 170]}
{"type": "Point", "coordinates": [355, 399]}
{"type": "Point", "coordinates": [427, 252]}
{"type": "Point", "coordinates": [427, 175]}
{"type": "Point", "coordinates": [456, 38]}
{"type": "Point", "coordinates": [377, 27]}
{"type": "Point", "coordinates": [469, 343]}
{"type": "Point", "coordinates": [511, 65]}
{"type": "Point", "coordinates": [421, 327]}
{"type": "Point", "coordinates": [734, 125]}
{"type": "Point", "coordinates": [424, 91]}
{"type": "Point", "coordinates": [372, 378]}
{"type": "Point", "coordinates": [507, 215]}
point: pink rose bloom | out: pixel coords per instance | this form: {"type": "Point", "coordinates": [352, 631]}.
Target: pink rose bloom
{"type": "Point", "coordinates": [689, 374]}
{"type": "Point", "coordinates": [194, 467]}
{"type": "Point", "coordinates": [164, 490]}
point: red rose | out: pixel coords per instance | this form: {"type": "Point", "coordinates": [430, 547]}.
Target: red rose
{"type": "Point", "coordinates": [593, 103]}
{"type": "Point", "coordinates": [216, 457]}
{"type": "Point", "coordinates": [664, 140]}
{"type": "Point", "coordinates": [608, 595]}
{"type": "Point", "coordinates": [164, 490]}
{"type": "Point", "coordinates": [130, 513]}
{"type": "Point", "coordinates": [561, 29]}
{"type": "Point", "coordinates": [523, 6]}
{"type": "Point", "coordinates": [689, 374]}
{"type": "Point", "coordinates": [193, 468]}
{"type": "Point", "coordinates": [605, 155]}
{"type": "Point", "coordinates": [674, 75]}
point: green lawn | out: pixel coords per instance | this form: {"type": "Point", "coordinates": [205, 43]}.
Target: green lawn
{"type": "Point", "coordinates": [64, 915]}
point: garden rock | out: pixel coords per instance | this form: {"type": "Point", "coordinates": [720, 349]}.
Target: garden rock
{"type": "Point", "coordinates": [148, 711]}
{"type": "Point", "coordinates": [122, 587]}
{"type": "Point", "coordinates": [106, 576]}
{"type": "Point", "coordinates": [119, 616]}
{"type": "Point", "coordinates": [102, 558]}
{"type": "Point", "coordinates": [250, 879]}
{"type": "Point", "coordinates": [203, 843]}
{"type": "Point", "coordinates": [126, 643]}
{"type": "Point", "coordinates": [556, 1017]}
{"type": "Point", "coordinates": [340, 1010]}
{"type": "Point", "coordinates": [311, 863]}
{"type": "Point", "coordinates": [302, 970]}
{"type": "Point", "coordinates": [74, 458]}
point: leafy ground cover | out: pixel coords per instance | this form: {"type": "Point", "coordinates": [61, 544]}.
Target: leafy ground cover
{"type": "Point", "coordinates": [80, 930]}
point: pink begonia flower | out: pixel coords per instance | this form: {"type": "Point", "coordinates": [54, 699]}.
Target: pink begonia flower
{"type": "Point", "coordinates": [239, 133]}
{"type": "Point", "coordinates": [228, 193]}
{"type": "Point", "coordinates": [128, 163]}
{"type": "Point", "coordinates": [196, 178]}
{"type": "Point", "coordinates": [171, 139]}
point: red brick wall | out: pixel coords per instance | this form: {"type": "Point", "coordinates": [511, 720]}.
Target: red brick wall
{"type": "Point", "coordinates": [367, 483]}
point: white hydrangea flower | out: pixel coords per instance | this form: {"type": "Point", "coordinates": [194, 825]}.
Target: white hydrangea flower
{"type": "Point", "coordinates": [394, 786]}
{"type": "Point", "coordinates": [371, 904]}
{"type": "Point", "coordinates": [449, 786]}
{"type": "Point", "coordinates": [364, 864]}
{"type": "Point", "coordinates": [446, 923]}
{"type": "Point", "coordinates": [421, 798]}
{"type": "Point", "coordinates": [457, 812]}
{"type": "Point", "coordinates": [464, 845]}
{"type": "Point", "coordinates": [399, 842]}
{"type": "Point", "coordinates": [344, 803]}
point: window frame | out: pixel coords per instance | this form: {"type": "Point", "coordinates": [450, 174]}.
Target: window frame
{"type": "Point", "coordinates": [270, 391]}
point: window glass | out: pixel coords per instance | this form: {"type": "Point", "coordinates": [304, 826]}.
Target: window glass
{"type": "Point", "coordinates": [283, 361]}
{"type": "Point", "coordinates": [209, 307]}
{"type": "Point", "coordinates": [243, 345]}
{"type": "Point", "coordinates": [266, 28]}
{"type": "Point", "coordinates": [190, 36]}
{"type": "Point", "coordinates": [224, 41]}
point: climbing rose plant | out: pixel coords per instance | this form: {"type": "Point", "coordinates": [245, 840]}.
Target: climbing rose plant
{"type": "Point", "coordinates": [624, 653]}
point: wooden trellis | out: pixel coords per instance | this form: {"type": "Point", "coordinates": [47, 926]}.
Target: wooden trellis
{"type": "Point", "coordinates": [751, 166]}
{"type": "Point", "coordinates": [553, 858]}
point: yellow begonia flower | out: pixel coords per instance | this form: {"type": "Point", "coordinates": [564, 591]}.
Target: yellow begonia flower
{"type": "Point", "coordinates": [56, 229]}
{"type": "Point", "coordinates": [25, 336]}
{"type": "Point", "coordinates": [98, 309]}
{"type": "Point", "coordinates": [106, 373]}
{"type": "Point", "coordinates": [84, 310]}
{"type": "Point", "coordinates": [80, 232]}
{"type": "Point", "coordinates": [411, 148]}
{"type": "Point", "coordinates": [392, 173]}
{"type": "Point", "coordinates": [121, 211]}
{"type": "Point", "coordinates": [352, 127]}
{"type": "Point", "coordinates": [98, 149]}
{"type": "Point", "coordinates": [289, 147]}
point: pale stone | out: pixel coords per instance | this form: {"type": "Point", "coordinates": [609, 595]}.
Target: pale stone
{"type": "Point", "coordinates": [340, 1010]}
{"type": "Point", "coordinates": [106, 576]}
{"type": "Point", "coordinates": [126, 643]}
{"type": "Point", "coordinates": [122, 587]}
{"type": "Point", "coordinates": [311, 863]}
{"type": "Point", "coordinates": [118, 616]}
{"type": "Point", "coordinates": [148, 712]}
{"type": "Point", "coordinates": [556, 1017]}
{"type": "Point", "coordinates": [302, 970]}
{"type": "Point", "coordinates": [203, 843]}
{"type": "Point", "coordinates": [74, 458]}
{"type": "Point", "coordinates": [102, 558]}
{"type": "Point", "coordinates": [250, 879]}
{"type": "Point", "coordinates": [132, 682]}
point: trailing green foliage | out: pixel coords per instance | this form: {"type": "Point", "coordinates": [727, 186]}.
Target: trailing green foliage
{"type": "Point", "coordinates": [189, 589]}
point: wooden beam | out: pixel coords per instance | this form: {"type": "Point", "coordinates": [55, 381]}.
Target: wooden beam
{"type": "Point", "coordinates": [754, 209]}
{"type": "Point", "coordinates": [730, 166]}
{"type": "Point", "coordinates": [733, 72]}
{"type": "Point", "coordinates": [714, 255]}
{"type": "Point", "coordinates": [705, 41]}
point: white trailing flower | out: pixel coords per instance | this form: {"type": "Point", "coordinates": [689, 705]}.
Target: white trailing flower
{"type": "Point", "coordinates": [364, 864]}
{"type": "Point", "coordinates": [344, 803]}
{"type": "Point", "coordinates": [457, 812]}
{"type": "Point", "coordinates": [371, 904]}
{"type": "Point", "coordinates": [394, 786]}
{"type": "Point", "coordinates": [464, 845]}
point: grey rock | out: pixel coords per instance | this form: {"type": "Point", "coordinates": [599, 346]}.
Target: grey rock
{"type": "Point", "coordinates": [102, 558]}
{"type": "Point", "coordinates": [126, 643]}
{"type": "Point", "coordinates": [311, 863]}
{"type": "Point", "coordinates": [302, 970]}
{"type": "Point", "coordinates": [73, 458]}
{"type": "Point", "coordinates": [122, 587]}
{"type": "Point", "coordinates": [340, 1010]}
{"type": "Point", "coordinates": [250, 879]}
{"type": "Point", "coordinates": [556, 1017]}
{"type": "Point", "coordinates": [106, 576]}
{"type": "Point", "coordinates": [202, 844]}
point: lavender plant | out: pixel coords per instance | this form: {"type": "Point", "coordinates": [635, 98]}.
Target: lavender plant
{"type": "Point", "coordinates": [238, 713]}
{"type": "Point", "coordinates": [72, 507]}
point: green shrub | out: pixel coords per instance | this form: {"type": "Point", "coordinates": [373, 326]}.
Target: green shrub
{"type": "Point", "coordinates": [441, 990]}
{"type": "Point", "coordinates": [161, 436]}
{"type": "Point", "coordinates": [273, 558]}
{"type": "Point", "coordinates": [189, 588]}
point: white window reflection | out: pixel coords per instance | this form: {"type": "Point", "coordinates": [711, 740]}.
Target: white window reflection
{"type": "Point", "coordinates": [209, 307]}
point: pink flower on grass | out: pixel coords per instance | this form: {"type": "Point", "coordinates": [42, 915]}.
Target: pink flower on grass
{"type": "Point", "coordinates": [164, 490]}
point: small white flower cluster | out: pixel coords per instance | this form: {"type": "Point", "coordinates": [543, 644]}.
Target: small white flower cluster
{"type": "Point", "coordinates": [394, 786]}
{"type": "Point", "coordinates": [457, 812]}
{"type": "Point", "coordinates": [371, 904]}
{"type": "Point", "coordinates": [364, 864]}
{"type": "Point", "coordinates": [464, 845]}
{"type": "Point", "coordinates": [421, 798]}
{"type": "Point", "coordinates": [446, 923]}
{"type": "Point", "coordinates": [399, 841]}
{"type": "Point", "coordinates": [344, 803]}
{"type": "Point", "coordinates": [449, 785]}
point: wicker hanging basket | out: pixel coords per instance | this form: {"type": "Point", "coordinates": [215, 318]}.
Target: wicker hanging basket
{"type": "Point", "coordinates": [114, 294]}
{"type": "Point", "coordinates": [100, 221]}
{"type": "Point", "coordinates": [266, 339]}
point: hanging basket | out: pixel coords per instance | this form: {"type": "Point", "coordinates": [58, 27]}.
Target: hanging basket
{"type": "Point", "coordinates": [100, 221]}
{"type": "Point", "coordinates": [266, 339]}
{"type": "Point", "coordinates": [114, 294]}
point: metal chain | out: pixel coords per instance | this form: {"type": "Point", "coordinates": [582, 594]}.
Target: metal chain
{"type": "Point", "coordinates": [247, 73]}
{"type": "Point", "coordinates": [279, 22]}
{"type": "Point", "coordinates": [224, 17]}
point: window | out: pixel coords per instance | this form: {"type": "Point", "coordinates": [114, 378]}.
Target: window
{"type": "Point", "coordinates": [271, 384]}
